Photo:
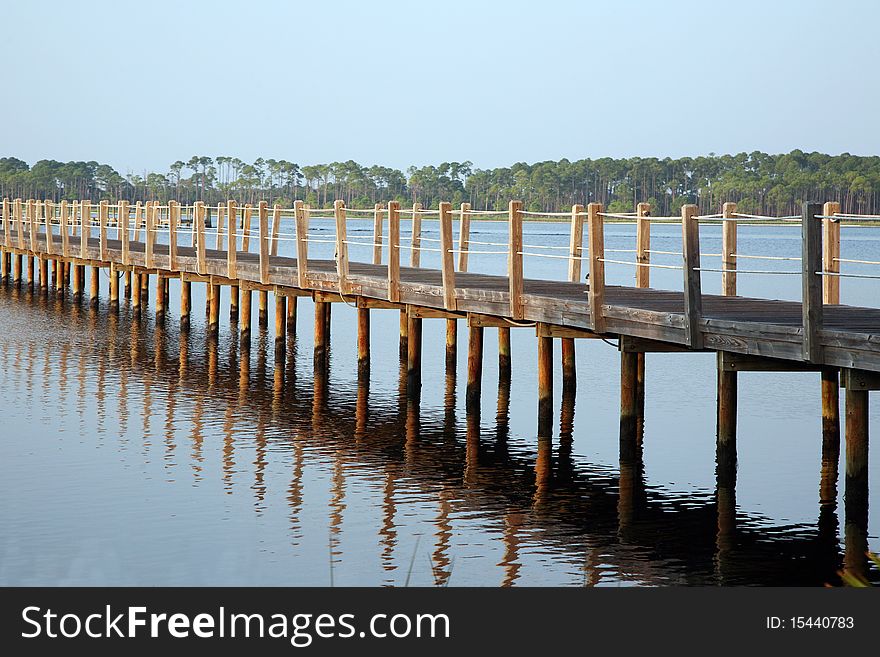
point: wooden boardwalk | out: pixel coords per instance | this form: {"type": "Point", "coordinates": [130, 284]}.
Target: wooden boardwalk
{"type": "Point", "coordinates": [840, 342]}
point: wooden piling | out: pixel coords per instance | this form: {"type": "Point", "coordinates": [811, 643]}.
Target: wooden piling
{"type": "Point", "coordinates": [545, 385]}
{"type": "Point", "coordinates": [16, 269]}
{"type": "Point", "coordinates": [136, 294]}
{"type": "Point", "coordinates": [475, 368]}
{"type": "Point", "coordinates": [233, 302]}
{"type": "Point", "coordinates": [414, 357]}
{"type": "Point", "coordinates": [160, 297]}
{"type": "Point", "coordinates": [291, 316]}
{"type": "Point", "coordinates": [404, 334]}
{"type": "Point", "coordinates": [185, 304]}
{"type": "Point", "coordinates": [214, 317]}
{"type": "Point", "coordinates": [596, 292]}
{"type": "Point", "coordinates": [451, 344]}
{"type": "Point", "coordinates": [320, 355]}
{"type": "Point", "coordinates": [280, 326]}
{"type": "Point", "coordinates": [363, 342]}
{"type": "Point", "coordinates": [44, 274]}
{"type": "Point", "coordinates": [811, 278]}
{"type": "Point", "coordinates": [30, 269]}
{"type": "Point", "coordinates": [628, 408]}
{"type": "Point", "coordinates": [94, 286]}
{"type": "Point", "coordinates": [855, 561]}
{"type": "Point", "coordinates": [693, 296]}
{"type": "Point", "coordinates": [245, 317]}
{"type": "Point", "coordinates": [727, 405]}
{"type": "Point", "coordinates": [569, 367]}
{"type": "Point", "coordinates": [515, 259]}
{"type": "Point", "coordinates": [504, 364]}
{"type": "Point", "coordinates": [114, 288]}
{"type": "Point", "coordinates": [263, 316]}
{"type": "Point", "coordinates": [831, 296]}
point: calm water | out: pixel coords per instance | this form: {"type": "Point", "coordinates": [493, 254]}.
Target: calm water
{"type": "Point", "coordinates": [131, 454]}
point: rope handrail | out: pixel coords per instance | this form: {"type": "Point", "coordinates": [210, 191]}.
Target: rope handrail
{"type": "Point", "coordinates": [746, 271]}
{"type": "Point", "coordinates": [743, 215]}
{"type": "Point", "coordinates": [552, 214]}
{"type": "Point", "coordinates": [858, 262]}
{"type": "Point", "coordinates": [639, 264]}
{"type": "Point", "coordinates": [551, 255]}
{"type": "Point", "coordinates": [764, 257]}
{"type": "Point", "coordinates": [842, 275]}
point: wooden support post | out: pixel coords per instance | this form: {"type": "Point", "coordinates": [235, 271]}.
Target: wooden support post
{"type": "Point", "coordinates": [44, 274]}
{"type": "Point", "coordinates": [114, 288]}
{"type": "Point", "coordinates": [7, 223]}
{"type": "Point", "coordinates": [136, 294]}
{"type": "Point", "coordinates": [447, 257]}
{"type": "Point", "coordinates": [16, 269]}
{"type": "Point", "coordinates": [475, 368]}
{"type": "Point", "coordinates": [122, 223]}
{"type": "Point", "coordinates": [85, 220]}
{"type": "Point", "coordinates": [728, 250]}
{"type": "Point", "coordinates": [234, 292]}
{"type": "Point", "coordinates": [416, 238]}
{"type": "Point", "coordinates": [280, 326]}
{"type": "Point", "coordinates": [856, 495]}
{"type": "Point", "coordinates": [263, 314]}
{"type": "Point", "coordinates": [232, 242]}
{"type": "Point", "coordinates": [727, 404]}
{"type": "Point", "coordinates": [545, 385]}
{"type": "Point", "coordinates": [94, 286]}
{"type": "Point", "coordinates": [138, 219]}
{"type": "Point", "coordinates": [302, 243]}
{"type": "Point", "coordinates": [77, 282]}
{"type": "Point", "coordinates": [629, 415]}
{"type": "Point", "coordinates": [19, 222]}
{"type": "Point", "coordinates": [404, 334]}
{"type": "Point", "coordinates": [150, 227]}
{"type": "Point", "coordinates": [245, 316]}
{"type": "Point", "coordinates": [246, 227]}
{"type": "Point", "coordinates": [145, 288]}
{"type": "Point", "coordinates": [414, 357]}
{"type": "Point", "coordinates": [160, 297]}
{"type": "Point", "coordinates": [276, 228]}
{"type": "Point", "coordinates": [214, 315]}
{"type": "Point", "coordinates": [394, 251]}
{"type": "Point", "coordinates": [504, 362]}
{"type": "Point", "coordinates": [464, 236]}
{"type": "Point", "coordinates": [378, 218]}
{"type": "Point", "coordinates": [4, 265]}
{"type": "Point", "coordinates": [291, 316]}
{"type": "Point", "coordinates": [811, 260]}
{"type": "Point", "coordinates": [693, 296]}
{"type": "Point", "coordinates": [48, 216]}
{"type": "Point", "coordinates": [515, 259]}
{"type": "Point", "coordinates": [596, 227]}
{"type": "Point", "coordinates": [341, 246]}
{"type": "Point", "coordinates": [643, 280]}
{"type": "Point", "coordinates": [264, 242]}
{"type": "Point", "coordinates": [65, 238]}
{"type": "Point", "coordinates": [451, 344]}
{"type": "Point", "coordinates": [185, 303]}
{"type": "Point", "coordinates": [569, 367]}
{"type": "Point", "coordinates": [363, 342]}
{"type": "Point", "coordinates": [831, 253]}
{"type": "Point", "coordinates": [32, 230]}
{"type": "Point", "coordinates": [320, 356]}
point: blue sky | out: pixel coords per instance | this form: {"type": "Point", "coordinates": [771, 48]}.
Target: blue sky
{"type": "Point", "coordinates": [141, 84]}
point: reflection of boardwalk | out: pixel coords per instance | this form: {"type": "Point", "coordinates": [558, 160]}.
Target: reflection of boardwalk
{"type": "Point", "coordinates": [597, 518]}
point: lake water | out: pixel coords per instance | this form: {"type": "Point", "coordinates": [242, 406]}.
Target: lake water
{"type": "Point", "coordinates": [132, 454]}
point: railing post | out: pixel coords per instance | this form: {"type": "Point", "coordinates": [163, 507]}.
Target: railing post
{"type": "Point", "coordinates": [276, 227]}
{"type": "Point", "coordinates": [811, 259]}
{"type": "Point", "coordinates": [515, 259]}
{"type": "Point", "coordinates": [150, 234]}
{"type": "Point", "coordinates": [596, 227]}
{"type": "Point", "coordinates": [831, 253]}
{"type": "Point", "coordinates": [218, 237]}
{"type": "Point", "coordinates": [575, 243]}
{"type": "Point", "coordinates": [464, 236]}
{"type": "Point", "coordinates": [264, 242]}
{"type": "Point", "coordinates": [32, 225]}
{"type": "Point", "coordinates": [49, 215]}
{"type": "Point", "coordinates": [246, 227]}
{"type": "Point", "coordinates": [138, 214]}
{"type": "Point", "coordinates": [341, 245]}
{"type": "Point", "coordinates": [103, 212]}
{"type": "Point", "coordinates": [199, 220]}
{"type": "Point", "coordinates": [18, 222]}
{"type": "Point", "coordinates": [447, 257]}
{"type": "Point", "coordinates": [394, 251]}
{"type": "Point", "coordinates": [232, 242]}
{"type": "Point", "coordinates": [416, 241]}
{"type": "Point", "coordinates": [693, 296]}
{"type": "Point", "coordinates": [643, 245]}
{"type": "Point", "coordinates": [85, 214]}
{"type": "Point", "coordinates": [122, 219]}
{"type": "Point", "coordinates": [65, 241]}
{"type": "Point", "coordinates": [302, 243]}
{"type": "Point", "coordinates": [7, 235]}
{"type": "Point", "coordinates": [378, 218]}
{"type": "Point", "coordinates": [728, 250]}
{"type": "Point", "coordinates": [173, 219]}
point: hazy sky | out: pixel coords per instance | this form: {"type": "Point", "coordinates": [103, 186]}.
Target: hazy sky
{"type": "Point", "coordinates": [141, 84]}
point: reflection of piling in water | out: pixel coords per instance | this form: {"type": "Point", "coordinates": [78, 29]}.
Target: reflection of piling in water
{"type": "Point", "coordinates": [513, 520]}
{"type": "Point", "coordinates": [440, 561]}
{"type": "Point", "coordinates": [725, 498]}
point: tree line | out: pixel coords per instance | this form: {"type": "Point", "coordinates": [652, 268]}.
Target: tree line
{"type": "Point", "coordinates": [758, 182]}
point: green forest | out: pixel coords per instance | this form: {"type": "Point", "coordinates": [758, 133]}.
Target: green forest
{"type": "Point", "coordinates": [760, 183]}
